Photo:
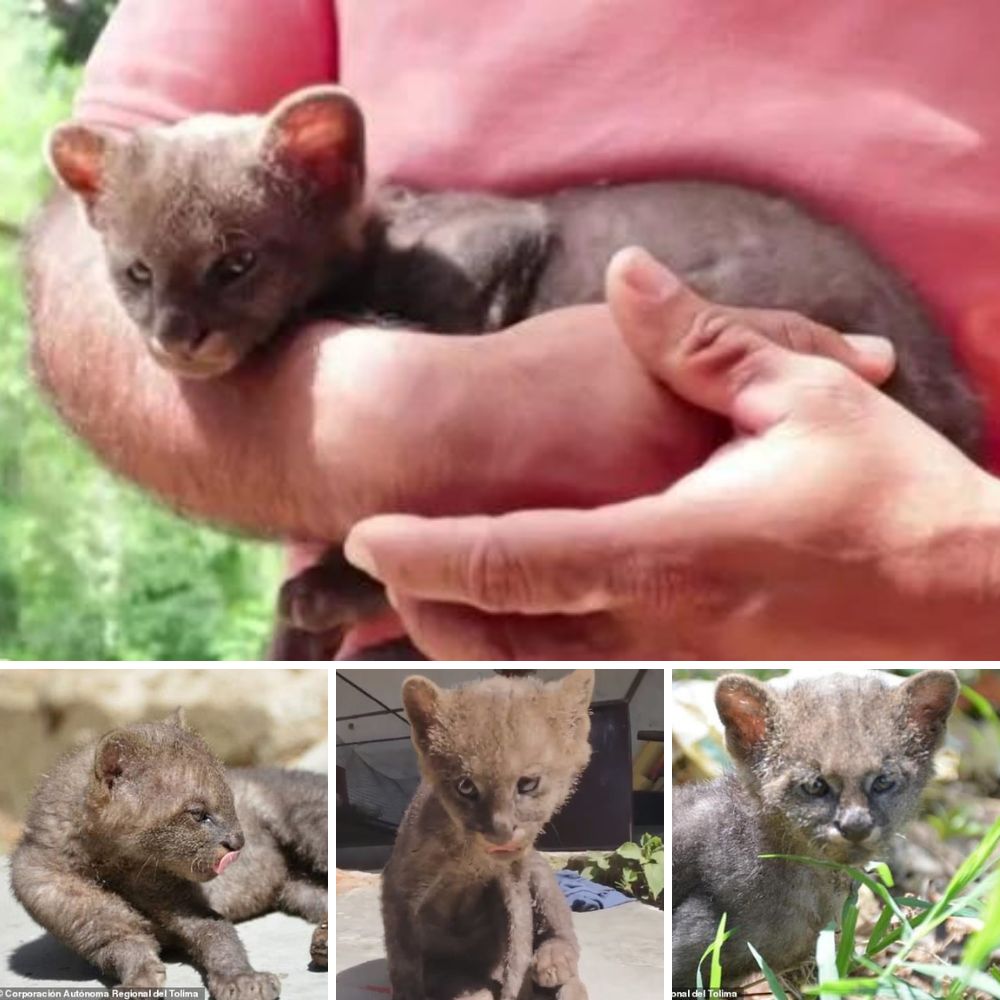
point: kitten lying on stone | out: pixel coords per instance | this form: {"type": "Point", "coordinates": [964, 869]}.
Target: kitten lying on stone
{"type": "Point", "coordinates": [829, 769]}
{"type": "Point", "coordinates": [468, 906]}
{"type": "Point", "coordinates": [220, 231]}
{"type": "Point", "coordinates": [143, 841]}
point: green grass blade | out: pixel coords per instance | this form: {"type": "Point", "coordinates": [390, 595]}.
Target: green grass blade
{"type": "Point", "coordinates": [845, 988]}
{"type": "Point", "coordinates": [772, 979]}
{"type": "Point", "coordinates": [848, 926]}
{"type": "Point", "coordinates": [715, 972]}
{"type": "Point", "coordinates": [977, 980]}
{"type": "Point", "coordinates": [980, 945]}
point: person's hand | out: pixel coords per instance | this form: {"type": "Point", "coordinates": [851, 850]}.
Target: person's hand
{"type": "Point", "coordinates": [555, 411]}
{"type": "Point", "coordinates": [836, 525]}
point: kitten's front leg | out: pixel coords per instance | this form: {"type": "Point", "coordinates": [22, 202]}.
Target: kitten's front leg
{"type": "Point", "coordinates": [95, 922]}
{"type": "Point", "coordinates": [215, 948]}
{"type": "Point", "coordinates": [556, 959]}
{"type": "Point", "coordinates": [517, 901]}
{"type": "Point", "coordinates": [402, 949]}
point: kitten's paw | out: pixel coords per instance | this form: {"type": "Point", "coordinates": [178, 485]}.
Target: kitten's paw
{"type": "Point", "coordinates": [554, 963]}
{"type": "Point", "coordinates": [245, 986]}
{"type": "Point", "coordinates": [573, 990]}
{"type": "Point", "coordinates": [149, 975]}
{"type": "Point", "coordinates": [318, 949]}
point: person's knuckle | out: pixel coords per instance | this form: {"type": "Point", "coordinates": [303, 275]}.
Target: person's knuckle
{"type": "Point", "coordinates": [720, 339]}
{"type": "Point", "coordinates": [494, 577]}
{"type": "Point", "coordinates": [833, 389]}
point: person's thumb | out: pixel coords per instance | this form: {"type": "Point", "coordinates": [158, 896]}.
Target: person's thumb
{"type": "Point", "coordinates": [730, 360]}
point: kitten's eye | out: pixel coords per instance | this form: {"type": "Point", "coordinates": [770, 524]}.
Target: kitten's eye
{"type": "Point", "coordinates": [816, 787]}
{"type": "Point", "coordinates": [198, 814]}
{"type": "Point", "coordinates": [466, 788]}
{"type": "Point", "coordinates": [139, 273]}
{"type": "Point", "coordinates": [883, 783]}
{"type": "Point", "coordinates": [526, 785]}
{"type": "Point", "coordinates": [232, 266]}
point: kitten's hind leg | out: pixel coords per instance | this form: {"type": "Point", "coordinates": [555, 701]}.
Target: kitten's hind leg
{"type": "Point", "coordinates": [304, 898]}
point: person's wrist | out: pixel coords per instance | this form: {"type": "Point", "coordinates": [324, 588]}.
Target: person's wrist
{"type": "Point", "coordinates": [958, 577]}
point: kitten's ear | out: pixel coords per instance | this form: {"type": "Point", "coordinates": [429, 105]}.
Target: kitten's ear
{"type": "Point", "coordinates": [177, 718]}
{"type": "Point", "coordinates": [78, 155]}
{"type": "Point", "coordinates": [422, 701]}
{"type": "Point", "coordinates": [116, 756]}
{"type": "Point", "coordinates": [746, 709]}
{"type": "Point", "coordinates": [926, 699]}
{"type": "Point", "coordinates": [318, 132]}
{"type": "Point", "coordinates": [575, 691]}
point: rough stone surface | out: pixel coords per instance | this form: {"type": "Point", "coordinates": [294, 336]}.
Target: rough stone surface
{"type": "Point", "coordinates": [248, 716]}
{"type": "Point", "coordinates": [31, 957]}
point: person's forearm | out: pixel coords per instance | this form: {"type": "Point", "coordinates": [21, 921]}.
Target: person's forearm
{"type": "Point", "coordinates": [328, 428]}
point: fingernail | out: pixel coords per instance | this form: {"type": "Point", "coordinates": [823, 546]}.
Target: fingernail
{"type": "Point", "coordinates": [357, 554]}
{"type": "Point", "coordinates": [647, 276]}
{"type": "Point", "coordinates": [876, 348]}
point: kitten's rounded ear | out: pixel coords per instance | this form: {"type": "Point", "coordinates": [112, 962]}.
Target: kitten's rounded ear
{"type": "Point", "coordinates": [746, 709]}
{"type": "Point", "coordinates": [115, 756]}
{"type": "Point", "coordinates": [78, 156]}
{"type": "Point", "coordinates": [578, 687]}
{"type": "Point", "coordinates": [177, 718]}
{"type": "Point", "coordinates": [318, 132]}
{"type": "Point", "coordinates": [422, 700]}
{"type": "Point", "coordinates": [927, 699]}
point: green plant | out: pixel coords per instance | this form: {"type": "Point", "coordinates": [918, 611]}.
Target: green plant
{"type": "Point", "coordinates": [636, 869]}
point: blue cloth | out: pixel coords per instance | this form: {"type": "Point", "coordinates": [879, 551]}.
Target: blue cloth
{"type": "Point", "coordinates": [582, 894]}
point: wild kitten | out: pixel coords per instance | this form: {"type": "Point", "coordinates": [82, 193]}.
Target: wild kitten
{"type": "Point", "coordinates": [220, 231]}
{"type": "Point", "coordinates": [466, 902]}
{"type": "Point", "coordinates": [830, 769]}
{"type": "Point", "coordinates": [143, 841]}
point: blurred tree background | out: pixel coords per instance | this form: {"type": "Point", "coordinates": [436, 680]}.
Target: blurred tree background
{"type": "Point", "coordinates": [89, 568]}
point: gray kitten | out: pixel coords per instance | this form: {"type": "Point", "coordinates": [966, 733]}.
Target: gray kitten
{"type": "Point", "coordinates": [220, 230]}
{"type": "Point", "coordinates": [829, 769]}
{"type": "Point", "coordinates": [468, 906]}
{"type": "Point", "coordinates": [144, 841]}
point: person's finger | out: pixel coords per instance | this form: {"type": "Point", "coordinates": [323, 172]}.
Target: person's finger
{"type": "Point", "coordinates": [644, 294]}
{"type": "Point", "coordinates": [458, 632]}
{"type": "Point", "coordinates": [528, 562]}
{"type": "Point", "coordinates": [715, 356]}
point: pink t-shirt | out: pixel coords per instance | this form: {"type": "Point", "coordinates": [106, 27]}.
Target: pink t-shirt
{"type": "Point", "coordinates": [883, 114]}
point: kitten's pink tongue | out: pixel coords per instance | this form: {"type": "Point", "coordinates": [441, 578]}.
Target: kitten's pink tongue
{"type": "Point", "coordinates": [225, 861]}
{"type": "Point", "coordinates": [511, 845]}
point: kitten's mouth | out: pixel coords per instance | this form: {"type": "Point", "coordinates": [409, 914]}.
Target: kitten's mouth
{"type": "Point", "coordinates": [225, 861]}
{"type": "Point", "coordinates": [509, 849]}
{"type": "Point", "coordinates": [213, 353]}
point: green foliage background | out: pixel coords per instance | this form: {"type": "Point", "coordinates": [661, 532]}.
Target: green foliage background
{"type": "Point", "coordinates": [89, 568]}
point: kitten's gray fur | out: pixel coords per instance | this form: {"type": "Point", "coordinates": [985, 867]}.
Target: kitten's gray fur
{"type": "Point", "coordinates": [122, 847]}
{"type": "Point", "coordinates": [461, 918]}
{"type": "Point", "coordinates": [840, 732]}
{"type": "Point", "coordinates": [288, 188]}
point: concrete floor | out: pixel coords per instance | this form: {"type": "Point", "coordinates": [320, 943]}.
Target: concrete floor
{"type": "Point", "coordinates": [275, 943]}
{"type": "Point", "coordinates": [621, 949]}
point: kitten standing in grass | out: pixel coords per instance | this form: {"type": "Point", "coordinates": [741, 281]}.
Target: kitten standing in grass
{"type": "Point", "coordinates": [466, 902]}
{"type": "Point", "coordinates": [829, 769]}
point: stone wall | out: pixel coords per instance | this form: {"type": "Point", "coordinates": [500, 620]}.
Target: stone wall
{"type": "Point", "coordinates": [247, 716]}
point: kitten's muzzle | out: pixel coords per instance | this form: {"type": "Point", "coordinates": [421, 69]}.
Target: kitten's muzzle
{"type": "Point", "coordinates": [855, 825]}
{"type": "Point", "coordinates": [210, 354]}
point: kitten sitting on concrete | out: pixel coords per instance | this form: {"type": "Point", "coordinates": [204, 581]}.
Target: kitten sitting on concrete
{"type": "Point", "coordinates": [468, 906]}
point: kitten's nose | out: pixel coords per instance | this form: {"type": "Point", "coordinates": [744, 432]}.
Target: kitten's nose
{"type": "Point", "coordinates": [176, 332]}
{"type": "Point", "coordinates": [234, 841]}
{"type": "Point", "coordinates": [855, 825]}
{"type": "Point", "coordinates": [501, 831]}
